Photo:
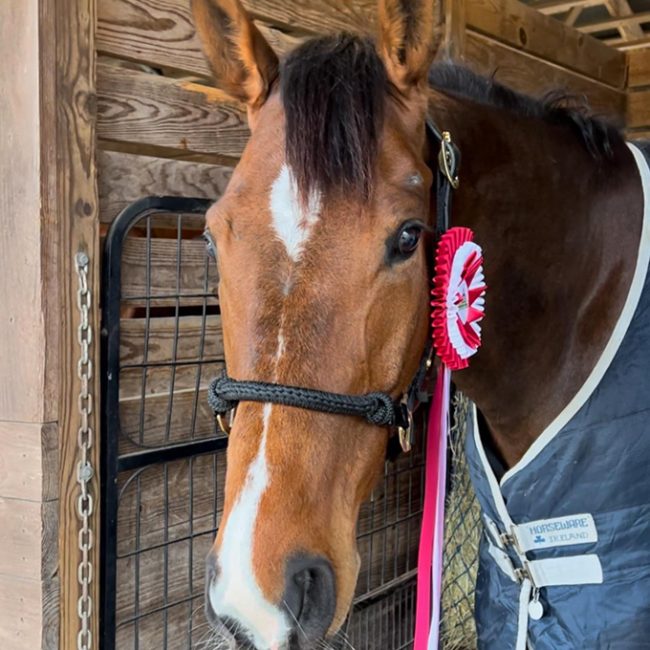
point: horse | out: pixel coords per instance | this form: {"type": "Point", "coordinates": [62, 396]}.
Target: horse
{"type": "Point", "coordinates": [324, 242]}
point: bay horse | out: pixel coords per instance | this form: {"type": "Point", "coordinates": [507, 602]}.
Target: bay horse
{"type": "Point", "coordinates": [324, 240]}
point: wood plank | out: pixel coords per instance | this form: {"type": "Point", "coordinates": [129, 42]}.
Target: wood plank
{"type": "Point", "coordinates": [20, 539]}
{"type": "Point", "coordinates": [194, 338]}
{"type": "Point", "coordinates": [638, 109]}
{"type": "Point", "coordinates": [158, 420]}
{"type": "Point", "coordinates": [194, 491]}
{"type": "Point", "coordinates": [20, 620]}
{"type": "Point", "coordinates": [21, 463]}
{"type": "Point", "coordinates": [161, 33]}
{"type": "Point", "coordinates": [141, 108]}
{"type": "Point", "coordinates": [534, 76]}
{"type": "Point", "coordinates": [317, 16]}
{"type": "Point", "coordinates": [22, 325]}
{"type": "Point", "coordinates": [124, 178]}
{"type": "Point", "coordinates": [166, 380]}
{"type": "Point", "coordinates": [152, 267]}
{"type": "Point", "coordinates": [639, 67]}
{"type": "Point", "coordinates": [522, 27]}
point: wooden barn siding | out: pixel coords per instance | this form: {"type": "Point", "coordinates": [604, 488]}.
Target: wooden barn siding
{"type": "Point", "coordinates": [638, 110]}
{"type": "Point", "coordinates": [170, 119]}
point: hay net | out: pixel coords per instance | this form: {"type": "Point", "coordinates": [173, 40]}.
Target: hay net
{"type": "Point", "coordinates": [463, 529]}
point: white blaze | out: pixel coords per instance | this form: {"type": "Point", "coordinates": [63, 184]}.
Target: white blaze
{"type": "Point", "coordinates": [292, 222]}
{"type": "Point", "coordinates": [236, 593]}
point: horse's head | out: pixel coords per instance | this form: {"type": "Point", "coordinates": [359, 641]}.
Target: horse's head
{"type": "Point", "coordinates": [323, 283]}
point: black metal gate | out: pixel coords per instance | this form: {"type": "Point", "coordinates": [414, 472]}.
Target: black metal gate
{"type": "Point", "coordinates": [163, 458]}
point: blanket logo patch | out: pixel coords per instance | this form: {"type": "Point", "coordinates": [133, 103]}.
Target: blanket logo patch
{"type": "Point", "coordinates": [561, 531]}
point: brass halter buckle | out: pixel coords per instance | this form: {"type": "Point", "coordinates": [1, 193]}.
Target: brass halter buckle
{"type": "Point", "coordinates": [406, 433]}
{"type": "Point", "coordinates": [226, 427]}
{"type": "Point", "coordinates": [446, 160]}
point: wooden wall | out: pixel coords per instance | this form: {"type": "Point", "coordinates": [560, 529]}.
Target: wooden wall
{"type": "Point", "coordinates": [164, 129]}
{"type": "Point", "coordinates": [638, 110]}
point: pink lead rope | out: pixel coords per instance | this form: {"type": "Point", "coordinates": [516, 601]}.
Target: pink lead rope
{"type": "Point", "coordinates": [457, 308]}
{"type": "Point", "coordinates": [429, 584]}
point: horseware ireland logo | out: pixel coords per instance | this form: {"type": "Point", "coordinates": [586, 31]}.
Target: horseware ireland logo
{"type": "Point", "coordinates": [561, 531]}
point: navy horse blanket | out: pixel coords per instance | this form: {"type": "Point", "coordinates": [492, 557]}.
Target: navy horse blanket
{"type": "Point", "coordinates": [564, 563]}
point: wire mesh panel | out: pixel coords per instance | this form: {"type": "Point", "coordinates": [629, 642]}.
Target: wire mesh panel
{"type": "Point", "coordinates": [164, 459]}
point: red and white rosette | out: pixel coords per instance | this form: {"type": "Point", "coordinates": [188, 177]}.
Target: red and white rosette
{"type": "Point", "coordinates": [458, 304]}
{"type": "Point", "coordinates": [457, 309]}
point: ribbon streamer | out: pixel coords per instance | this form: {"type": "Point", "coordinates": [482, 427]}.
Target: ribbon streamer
{"type": "Point", "coordinates": [457, 309]}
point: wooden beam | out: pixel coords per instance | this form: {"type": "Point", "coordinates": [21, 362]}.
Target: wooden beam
{"type": "Point", "coordinates": [614, 23]}
{"type": "Point", "coordinates": [624, 45]}
{"type": "Point", "coordinates": [573, 16]}
{"type": "Point", "coordinates": [622, 8]}
{"type": "Point", "coordinates": [552, 7]}
{"type": "Point", "coordinates": [521, 27]}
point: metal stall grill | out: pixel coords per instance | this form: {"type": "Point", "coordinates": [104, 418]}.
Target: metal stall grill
{"type": "Point", "coordinates": [164, 461]}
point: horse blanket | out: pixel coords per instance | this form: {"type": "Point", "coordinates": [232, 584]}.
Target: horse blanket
{"type": "Point", "coordinates": [564, 563]}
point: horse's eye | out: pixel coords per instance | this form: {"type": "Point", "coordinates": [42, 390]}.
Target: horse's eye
{"type": "Point", "coordinates": [209, 244]}
{"type": "Point", "coordinates": [408, 240]}
{"type": "Point", "coordinates": [405, 241]}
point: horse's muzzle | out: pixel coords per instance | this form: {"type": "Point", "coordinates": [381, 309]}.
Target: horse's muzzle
{"type": "Point", "coordinates": [309, 601]}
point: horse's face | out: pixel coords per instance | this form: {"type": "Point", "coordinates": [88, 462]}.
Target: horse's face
{"type": "Point", "coordinates": [323, 283]}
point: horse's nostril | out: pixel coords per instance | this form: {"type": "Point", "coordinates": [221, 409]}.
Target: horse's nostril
{"type": "Point", "coordinates": [211, 572]}
{"type": "Point", "coordinates": [310, 594]}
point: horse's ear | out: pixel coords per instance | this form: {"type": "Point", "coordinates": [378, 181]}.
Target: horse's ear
{"type": "Point", "coordinates": [410, 33]}
{"type": "Point", "coordinates": [243, 63]}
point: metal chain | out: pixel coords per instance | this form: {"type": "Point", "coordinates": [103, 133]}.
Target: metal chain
{"type": "Point", "coordinates": [85, 472]}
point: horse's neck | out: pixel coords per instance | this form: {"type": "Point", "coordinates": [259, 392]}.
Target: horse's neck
{"type": "Point", "coordinates": [560, 232]}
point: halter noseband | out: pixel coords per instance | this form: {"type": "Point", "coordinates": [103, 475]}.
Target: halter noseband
{"type": "Point", "coordinates": [376, 408]}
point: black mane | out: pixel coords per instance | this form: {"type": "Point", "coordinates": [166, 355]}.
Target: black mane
{"type": "Point", "coordinates": [555, 107]}
{"type": "Point", "coordinates": [334, 90]}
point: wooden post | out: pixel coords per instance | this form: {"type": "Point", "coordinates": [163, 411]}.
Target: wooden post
{"type": "Point", "coordinates": [75, 203]}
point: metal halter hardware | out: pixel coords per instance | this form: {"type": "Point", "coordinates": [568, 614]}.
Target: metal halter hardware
{"type": "Point", "coordinates": [376, 408]}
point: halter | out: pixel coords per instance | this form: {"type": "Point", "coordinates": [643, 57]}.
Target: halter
{"type": "Point", "coordinates": [377, 408]}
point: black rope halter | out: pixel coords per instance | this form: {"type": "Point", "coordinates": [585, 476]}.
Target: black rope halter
{"type": "Point", "coordinates": [377, 408]}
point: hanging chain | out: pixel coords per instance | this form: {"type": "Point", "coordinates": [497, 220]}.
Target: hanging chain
{"type": "Point", "coordinates": [85, 502]}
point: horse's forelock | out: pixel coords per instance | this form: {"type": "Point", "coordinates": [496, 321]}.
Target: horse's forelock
{"type": "Point", "coordinates": [334, 91]}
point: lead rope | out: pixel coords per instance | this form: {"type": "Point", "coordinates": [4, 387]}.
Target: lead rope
{"type": "Point", "coordinates": [85, 472]}
{"type": "Point", "coordinates": [429, 581]}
